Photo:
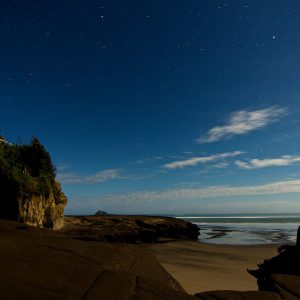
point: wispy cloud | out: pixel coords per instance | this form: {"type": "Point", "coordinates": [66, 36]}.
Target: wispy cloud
{"type": "Point", "coordinates": [60, 168]}
{"type": "Point", "coordinates": [89, 179]}
{"type": "Point", "coordinates": [221, 165]}
{"type": "Point", "coordinates": [148, 160]}
{"type": "Point", "coordinates": [269, 162]}
{"type": "Point", "coordinates": [242, 122]}
{"type": "Point", "coordinates": [194, 161]}
{"type": "Point", "coordinates": [131, 200]}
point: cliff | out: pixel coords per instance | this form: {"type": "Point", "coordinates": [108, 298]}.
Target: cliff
{"type": "Point", "coordinates": [29, 191]}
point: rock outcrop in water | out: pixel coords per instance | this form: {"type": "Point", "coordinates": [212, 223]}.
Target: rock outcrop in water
{"type": "Point", "coordinates": [29, 191]}
{"type": "Point", "coordinates": [129, 229]}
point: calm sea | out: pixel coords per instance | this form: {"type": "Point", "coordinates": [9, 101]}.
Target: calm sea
{"type": "Point", "coordinates": [246, 229]}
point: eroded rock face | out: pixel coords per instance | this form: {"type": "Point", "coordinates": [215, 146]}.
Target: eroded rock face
{"type": "Point", "coordinates": [42, 212]}
{"type": "Point", "coordinates": [29, 191]}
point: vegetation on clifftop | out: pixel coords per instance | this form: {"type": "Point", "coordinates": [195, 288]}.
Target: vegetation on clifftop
{"type": "Point", "coordinates": [25, 170]}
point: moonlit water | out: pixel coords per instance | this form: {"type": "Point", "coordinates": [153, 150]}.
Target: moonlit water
{"type": "Point", "coordinates": [234, 229]}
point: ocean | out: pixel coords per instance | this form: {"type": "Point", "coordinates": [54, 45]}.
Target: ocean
{"type": "Point", "coordinates": [246, 229]}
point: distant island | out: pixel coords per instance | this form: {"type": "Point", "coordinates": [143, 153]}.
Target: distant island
{"type": "Point", "coordinates": [101, 213]}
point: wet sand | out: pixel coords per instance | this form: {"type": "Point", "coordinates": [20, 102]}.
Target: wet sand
{"type": "Point", "coordinates": [202, 267]}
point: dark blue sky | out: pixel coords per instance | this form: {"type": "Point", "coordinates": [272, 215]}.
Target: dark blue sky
{"type": "Point", "coordinates": [158, 106]}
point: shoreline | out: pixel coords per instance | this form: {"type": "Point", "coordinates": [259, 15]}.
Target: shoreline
{"type": "Point", "coordinates": [225, 235]}
{"type": "Point", "coordinates": [232, 229]}
{"type": "Point", "coordinates": [201, 267]}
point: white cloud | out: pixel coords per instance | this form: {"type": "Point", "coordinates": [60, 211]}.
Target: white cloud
{"type": "Point", "coordinates": [221, 165]}
{"type": "Point", "coordinates": [242, 164]}
{"type": "Point", "coordinates": [89, 179]}
{"type": "Point", "coordinates": [200, 160]}
{"type": "Point", "coordinates": [242, 122]}
{"type": "Point", "coordinates": [270, 162]}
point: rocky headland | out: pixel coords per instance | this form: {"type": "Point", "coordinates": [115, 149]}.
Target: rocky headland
{"type": "Point", "coordinates": [128, 229]}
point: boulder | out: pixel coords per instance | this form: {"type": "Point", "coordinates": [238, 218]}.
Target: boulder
{"type": "Point", "coordinates": [287, 286]}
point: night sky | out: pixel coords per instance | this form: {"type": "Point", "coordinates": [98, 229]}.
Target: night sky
{"type": "Point", "coordinates": [158, 106]}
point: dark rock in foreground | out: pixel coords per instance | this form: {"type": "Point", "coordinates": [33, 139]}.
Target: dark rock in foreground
{"type": "Point", "coordinates": [234, 295]}
{"type": "Point", "coordinates": [281, 274]}
{"type": "Point", "coordinates": [287, 286]}
{"type": "Point", "coordinates": [129, 229]}
{"type": "Point", "coordinates": [41, 264]}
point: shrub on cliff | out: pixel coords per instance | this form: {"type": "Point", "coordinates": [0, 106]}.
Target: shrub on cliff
{"type": "Point", "coordinates": [25, 171]}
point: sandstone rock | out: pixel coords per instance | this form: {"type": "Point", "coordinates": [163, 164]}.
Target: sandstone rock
{"type": "Point", "coordinates": [287, 286]}
{"type": "Point", "coordinates": [234, 295]}
{"type": "Point", "coordinates": [42, 212]}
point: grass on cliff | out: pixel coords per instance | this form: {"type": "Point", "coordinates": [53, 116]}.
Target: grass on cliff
{"type": "Point", "coordinates": [26, 170]}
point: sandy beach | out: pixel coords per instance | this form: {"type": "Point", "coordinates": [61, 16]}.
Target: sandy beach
{"type": "Point", "coordinates": [202, 267]}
